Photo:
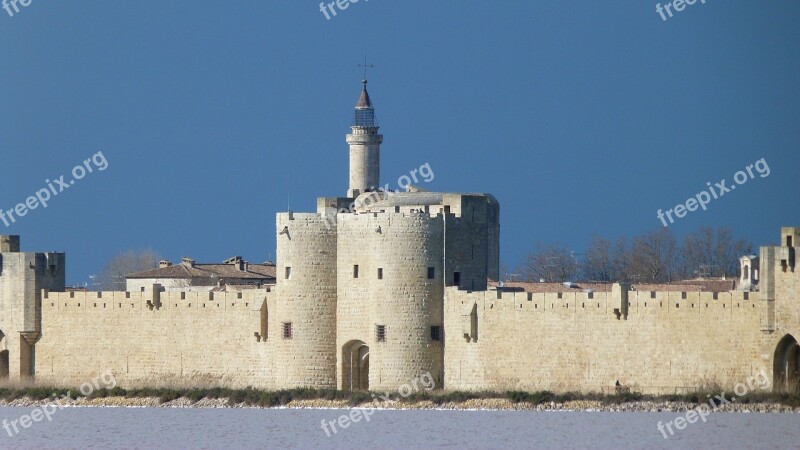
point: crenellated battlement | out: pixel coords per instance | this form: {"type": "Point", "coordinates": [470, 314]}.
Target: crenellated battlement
{"type": "Point", "coordinates": [117, 300]}
{"type": "Point", "coordinates": [638, 302]}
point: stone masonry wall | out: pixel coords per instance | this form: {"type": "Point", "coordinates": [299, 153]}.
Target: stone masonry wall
{"type": "Point", "coordinates": [22, 276]}
{"type": "Point", "coordinates": [667, 344]}
{"type": "Point", "coordinates": [192, 339]}
{"type": "Point", "coordinates": [779, 287]}
{"type": "Point", "coordinates": [467, 243]}
{"type": "Point", "coordinates": [306, 299]}
{"type": "Point", "coordinates": [404, 300]}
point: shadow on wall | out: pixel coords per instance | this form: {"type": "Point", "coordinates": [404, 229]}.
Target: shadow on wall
{"type": "Point", "coordinates": [786, 365]}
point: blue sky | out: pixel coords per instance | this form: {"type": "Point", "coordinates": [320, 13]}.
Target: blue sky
{"type": "Point", "coordinates": [581, 117]}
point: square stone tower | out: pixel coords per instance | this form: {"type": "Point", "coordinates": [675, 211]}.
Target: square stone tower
{"type": "Point", "coordinates": [780, 308]}
{"type": "Point", "coordinates": [22, 278]}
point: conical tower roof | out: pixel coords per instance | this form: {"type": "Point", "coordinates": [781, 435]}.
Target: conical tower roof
{"type": "Point", "coordinates": [364, 101]}
{"type": "Point", "coordinates": [365, 112]}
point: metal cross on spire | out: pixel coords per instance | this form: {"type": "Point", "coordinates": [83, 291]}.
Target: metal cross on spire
{"type": "Point", "coordinates": [366, 66]}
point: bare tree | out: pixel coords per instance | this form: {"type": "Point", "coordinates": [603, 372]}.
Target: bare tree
{"type": "Point", "coordinates": [700, 254]}
{"type": "Point", "coordinates": [655, 255]}
{"type": "Point", "coordinates": [713, 253]}
{"type": "Point", "coordinates": [598, 264]}
{"type": "Point", "coordinates": [621, 262]}
{"type": "Point", "coordinates": [112, 278]}
{"type": "Point", "coordinates": [549, 262]}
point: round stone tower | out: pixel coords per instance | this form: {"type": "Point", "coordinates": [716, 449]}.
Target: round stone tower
{"type": "Point", "coordinates": [390, 282]}
{"type": "Point", "coordinates": [365, 148]}
{"type": "Point", "coordinates": [303, 326]}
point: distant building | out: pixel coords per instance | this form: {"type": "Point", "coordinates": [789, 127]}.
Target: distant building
{"type": "Point", "coordinates": [748, 280]}
{"type": "Point", "coordinates": [233, 274]}
{"type": "Point", "coordinates": [698, 285]}
{"type": "Point", "coordinates": [76, 289]}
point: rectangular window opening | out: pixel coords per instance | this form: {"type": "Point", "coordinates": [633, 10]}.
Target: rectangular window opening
{"type": "Point", "coordinates": [287, 330]}
{"type": "Point", "coordinates": [436, 333]}
{"type": "Point", "coordinates": [288, 273]}
{"type": "Point", "coordinates": [380, 273]}
{"type": "Point", "coordinates": [431, 273]}
{"type": "Point", "coordinates": [380, 333]}
{"type": "Point", "coordinates": [355, 271]}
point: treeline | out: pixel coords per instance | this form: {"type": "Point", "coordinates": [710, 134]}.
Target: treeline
{"type": "Point", "coordinates": [654, 257]}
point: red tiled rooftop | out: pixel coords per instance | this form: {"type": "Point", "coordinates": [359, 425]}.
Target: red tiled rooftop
{"type": "Point", "coordinates": [698, 285]}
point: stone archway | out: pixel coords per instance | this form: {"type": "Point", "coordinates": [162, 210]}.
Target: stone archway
{"type": "Point", "coordinates": [355, 366]}
{"type": "Point", "coordinates": [786, 365]}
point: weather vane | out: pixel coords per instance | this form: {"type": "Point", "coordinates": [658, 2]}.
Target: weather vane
{"type": "Point", "coordinates": [366, 66]}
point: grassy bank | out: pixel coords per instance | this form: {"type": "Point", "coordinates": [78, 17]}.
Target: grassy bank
{"type": "Point", "coordinates": [255, 397]}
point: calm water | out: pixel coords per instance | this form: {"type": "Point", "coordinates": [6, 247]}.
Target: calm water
{"type": "Point", "coordinates": [253, 428]}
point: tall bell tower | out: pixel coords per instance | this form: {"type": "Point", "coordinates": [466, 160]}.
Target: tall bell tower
{"type": "Point", "coordinates": [365, 147]}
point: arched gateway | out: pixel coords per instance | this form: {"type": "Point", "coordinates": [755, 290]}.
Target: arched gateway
{"type": "Point", "coordinates": [786, 364]}
{"type": "Point", "coordinates": [355, 366]}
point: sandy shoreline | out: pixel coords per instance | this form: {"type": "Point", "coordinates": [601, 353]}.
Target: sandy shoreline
{"type": "Point", "coordinates": [489, 404]}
